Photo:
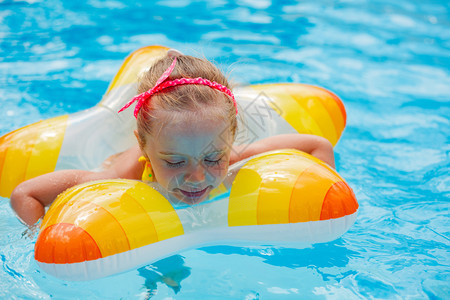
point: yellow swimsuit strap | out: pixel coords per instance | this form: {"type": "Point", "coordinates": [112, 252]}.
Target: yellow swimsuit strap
{"type": "Point", "coordinates": [147, 175]}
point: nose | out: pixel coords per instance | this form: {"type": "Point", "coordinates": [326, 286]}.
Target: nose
{"type": "Point", "coordinates": [195, 174]}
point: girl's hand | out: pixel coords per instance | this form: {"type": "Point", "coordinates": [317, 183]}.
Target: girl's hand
{"type": "Point", "coordinates": [30, 198]}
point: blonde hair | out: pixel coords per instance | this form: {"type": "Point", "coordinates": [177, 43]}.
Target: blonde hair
{"type": "Point", "coordinates": [184, 100]}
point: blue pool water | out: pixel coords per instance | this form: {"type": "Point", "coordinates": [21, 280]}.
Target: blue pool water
{"type": "Point", "coordinates": [389, 62]}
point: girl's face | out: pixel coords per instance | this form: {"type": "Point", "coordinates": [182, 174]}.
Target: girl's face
{"type": "Point", "coordinates": [191, 158]}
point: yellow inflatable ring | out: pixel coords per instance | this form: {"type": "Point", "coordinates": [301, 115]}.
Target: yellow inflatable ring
{"type": "Point", "coordinates": [105, 227]}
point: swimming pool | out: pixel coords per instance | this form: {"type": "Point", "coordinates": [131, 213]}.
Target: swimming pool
{"type": "Point", "coordinates": [387, 60]}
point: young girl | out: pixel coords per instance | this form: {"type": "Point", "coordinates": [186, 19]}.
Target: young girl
{"type": "Point", "coordinates": [186, 125]}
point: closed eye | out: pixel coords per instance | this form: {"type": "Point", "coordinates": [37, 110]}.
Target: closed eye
{"type": "Point", "coordinates": [211, 162]}
{"type": "Point", "coordinates": [174, 164]}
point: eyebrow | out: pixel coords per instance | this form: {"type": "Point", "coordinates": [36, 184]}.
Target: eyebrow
{"type": "Point", "coordinates": [180, 154]}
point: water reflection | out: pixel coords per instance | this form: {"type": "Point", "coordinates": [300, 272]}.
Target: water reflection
{"type": "Point", "coordinates": [333, 254]}
{"type": "Point", "coordinates": [170, 271]}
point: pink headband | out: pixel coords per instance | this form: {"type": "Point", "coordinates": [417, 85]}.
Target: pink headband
{"type": "Point", "coordinates": [160, 85]}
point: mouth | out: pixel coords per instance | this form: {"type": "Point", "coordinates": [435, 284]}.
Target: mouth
{"type": "Point", "coordinates": [194, 196]}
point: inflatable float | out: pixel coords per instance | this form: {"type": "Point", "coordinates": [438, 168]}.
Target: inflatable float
{"type": "Point", "coordinates": [101, 228]}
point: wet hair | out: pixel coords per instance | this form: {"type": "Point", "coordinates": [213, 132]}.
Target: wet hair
{"type": "Point", "coordinates": [184, 102]}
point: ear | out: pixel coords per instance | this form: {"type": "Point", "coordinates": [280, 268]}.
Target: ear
{"type": "Point", "coordinates": [140, 142]}
{"type": "Point", "coordinates": [136, 134]}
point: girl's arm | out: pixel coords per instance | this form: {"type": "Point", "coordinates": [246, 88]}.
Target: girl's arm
{"type": "Point", "coordinates": [312, 144]}
{"type": "Point", "coordinates": [30, 197]}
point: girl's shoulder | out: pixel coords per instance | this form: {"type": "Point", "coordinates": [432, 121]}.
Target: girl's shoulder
{"type": "Point", "coordinates": [127, 164]}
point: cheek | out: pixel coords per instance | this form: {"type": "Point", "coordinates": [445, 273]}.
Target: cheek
{"type": "Point", "coordinates": [165, 176]}
{"type": "Point", "coordinates": [219, 171]}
